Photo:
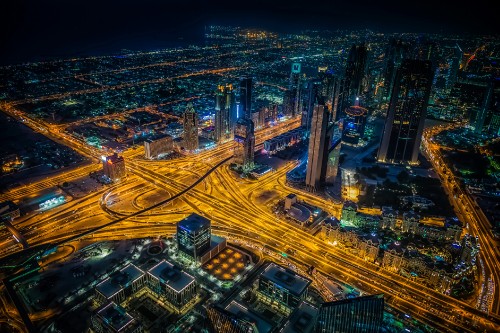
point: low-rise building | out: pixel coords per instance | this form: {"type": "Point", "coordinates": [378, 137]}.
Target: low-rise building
{"type": "Point", "coordinates": [113, 318]}
{"type": "Point", "coordinates": [114, 167]}
{"type": "Point", "coordinates": [158, 145]}
{"type": "Point", "coordinates": [389, 218]}
{"type": "Point", "coordinates": [119, 285]}
{"type": "Point", "coordinates": [282, 287]}
{"type": "Point", "coordinates": [178, 287]}
{"type": "Point", "coordinates": [411, 222]}
{"type": "Point", "coordinates": [349, 210]}
{"type": "Point", "coordinates": [302, 319]}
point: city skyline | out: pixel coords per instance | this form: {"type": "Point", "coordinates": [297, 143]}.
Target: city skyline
{"type": "Point", "coordinates": [35, 31]}
{"type": "Point", "coordinates": [253, 179]}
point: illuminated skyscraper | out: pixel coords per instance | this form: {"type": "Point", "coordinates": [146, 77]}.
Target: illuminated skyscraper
{"type": "Point", "coordinates": [245, 143]}
{"type": "Point", "coordinates": [293, 95]}
{"type": "Point", "coordinates": [193, 235]}
{"type": "Point", "coordinates": [245, 110]}
{"type": "Point", "coordinates": [354, 82]}
{"type": "Point", "coordinates": [355, 315]}
{"type": "Point", "coordinates": [330, 90]}
{"type": "Point", "coordinates": [354, 125]}
{"type": "Point", "coordinates": [311, 95]}
{"type": "Point", "coordinates": [394, 55]}
{"type": "Point", "coordinates": [319, 143]}
{"type": "Point", "coordinates": [224, 101]}
{"type": "Point", "coordinates": [406, 114]}
{"type": "Point", "coordinates": [190, 122]}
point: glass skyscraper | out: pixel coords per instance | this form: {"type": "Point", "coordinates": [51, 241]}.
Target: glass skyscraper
{"type": "Point", "coordinates": [190, 123]}
{"type": "Point", "coordinates": [406, 113]}
{"type": "Point", "coordinates": [355, 315]}
{"type": "Point", "coordinates": [224, 100]}
{"type": "Point", "coordinates": [246, 98]}
{"type": "Point", "coordinates": [319, 146]}
{"type": "Point", "coordinates": [245, 143]}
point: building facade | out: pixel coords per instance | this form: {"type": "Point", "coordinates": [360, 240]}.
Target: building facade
{"type": "Point", "coordinates": [178, 287]}
{"type": "Point", "coordinates": [224, 106]}
{"type": "Point", "coordinates": [318, 146]}
{"type": "Point", "coordinates": [157, 146]}
{"type": "Point", "coordinates": [245, 109]}
{"type": "Point", "coordinates": [282, 287]}
{"type": "Point", "coordinates": [193, 236]}
{"type": "Point", "coordinates": [245, 143]}
{"type": "Point", "coordinates": [114, 167]}
{"type": "Point", "coordinates": [404, 124]}
{"type": "Point", "coordinates": [354, 125]}
{"type": "Point", "coordinates": [190, 124]}
{"type": "Point", "coordinates": [356, 315]}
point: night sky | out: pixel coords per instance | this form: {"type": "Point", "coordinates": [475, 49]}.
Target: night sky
{"type": "Point", "coordinates": [38, 29]}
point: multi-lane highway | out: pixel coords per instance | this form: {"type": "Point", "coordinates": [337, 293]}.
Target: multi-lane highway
{"type": "Point", "coordinates": [478, 224]}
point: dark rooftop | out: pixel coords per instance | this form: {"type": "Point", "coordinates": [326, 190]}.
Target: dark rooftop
{"type": "Point", "coordinates": [286, 278]}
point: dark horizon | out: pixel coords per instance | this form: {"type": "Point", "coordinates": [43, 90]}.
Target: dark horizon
{"type": "Point", "coordinates": [33, 30]}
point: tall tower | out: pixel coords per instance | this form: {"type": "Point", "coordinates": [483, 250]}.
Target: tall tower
{"type": "Point", "coordinates": [294, 91]}
{"type": "Point", "coordinates": [406, 113]}
{"type": "Point", "coordinates": [224, 101]}
{"type": "Point", "coordinates": [354, 78]}
{"type": "Point", "coordinates": [394, 55]}
{"type": "Point", "coordinates": [245, 110]}
{"type": "Point", "coordinates": [312, 92]}
{"type": "Point", "coordinates": [354, 125]}
{"type": "Point", "coordinates": [245, 143]}
{"type": "Point", "coordinates": [190, 122]}
{"type": "Point", "coordinates": [318, 147]}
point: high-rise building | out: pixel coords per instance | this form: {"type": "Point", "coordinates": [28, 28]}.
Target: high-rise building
{"type": "Point", "coordinates": [354, 125]}
{"type": "Point", "coordinates": [190, 122]}
{"type": "Point", "coordinates": [293, 95]}
{"type": "Point", "coordinates": [355, 315]}
{"type": "Point", "coordinates": [394, 55]}
{"type": "Point", "coordinates": [224, 107]}
{"type": "Point", "coordinates": [114, 167]}
{"type": "Point", "coordinates": [406, 113]}
{"type": "Point", "coordinates": [487, 118]}
{"type": "Point", "coordinates": [245, 110]}
{"type": "Point", "coordinates": [193, 235]}
{"type": "Point", "coordinates": [354, 82]}
{"type": "Point", "coordinates": [333, 162]}
{"type": "Point", "coordinates": [310, 96]}
{"type": "Point", "coordinates": [158, 145]}
{"type": "Point", "coordinates": [454, 66]}
{"type": "Point", "coordinates": [319, 144]}
{"type": "Point", "coordinates": [245, 143]}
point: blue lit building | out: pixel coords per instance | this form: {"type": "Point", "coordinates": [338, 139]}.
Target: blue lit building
{"type": "Point", "coordinates": [354, 125]}
{"type": "Point", "coordinates": [193, 236]}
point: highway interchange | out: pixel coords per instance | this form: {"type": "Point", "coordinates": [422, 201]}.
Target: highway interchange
{"type": "Point", "coordinates": [157, 194]}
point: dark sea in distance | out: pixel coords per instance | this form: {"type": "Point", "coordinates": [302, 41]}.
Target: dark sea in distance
{"type": "Point", "coordinates": [30, 52]}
